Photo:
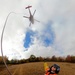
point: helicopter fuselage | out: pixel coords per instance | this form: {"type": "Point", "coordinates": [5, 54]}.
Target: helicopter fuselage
{"type": "Point", "coordinates": [31, 19]}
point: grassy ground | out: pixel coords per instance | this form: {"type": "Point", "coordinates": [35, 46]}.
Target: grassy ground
{"type": "Point", "coordinates": [38, 69]}
{"type": "Point", "coordinates": [2, 67]}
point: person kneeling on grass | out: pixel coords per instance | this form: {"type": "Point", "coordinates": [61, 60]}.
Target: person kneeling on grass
{"type": "Point", "coordinates": [53, 70]}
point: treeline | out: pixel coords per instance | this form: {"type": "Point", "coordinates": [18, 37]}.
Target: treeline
{"type": "Point", "coordinates": [33, 58]}
{"type": "Point", "coordinates": [5, 58]}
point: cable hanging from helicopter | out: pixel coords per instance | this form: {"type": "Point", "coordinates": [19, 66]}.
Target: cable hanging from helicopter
{"type": "Point", "coordinates": [31, 19]}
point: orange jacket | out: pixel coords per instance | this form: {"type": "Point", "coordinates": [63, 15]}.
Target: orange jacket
{"type": "Point", "coordinates": [48, 73]}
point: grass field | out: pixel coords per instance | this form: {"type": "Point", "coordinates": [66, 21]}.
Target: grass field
{"type": "Point", "coordinates": [2, 67]}
{"type": "Point", "coordinates": [38, 69]}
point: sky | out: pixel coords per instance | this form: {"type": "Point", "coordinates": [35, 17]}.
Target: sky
{"type": "Point", "coordinates": [54, 35]}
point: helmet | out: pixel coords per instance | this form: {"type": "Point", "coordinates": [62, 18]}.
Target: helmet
{"type": "Point", "coordinates": [57, 68]}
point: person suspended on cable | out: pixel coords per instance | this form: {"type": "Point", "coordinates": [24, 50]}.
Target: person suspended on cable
{"type": "Point", "coordinates": [53, 70]}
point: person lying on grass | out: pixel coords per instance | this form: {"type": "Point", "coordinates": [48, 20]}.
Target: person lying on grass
{"type": "Point", "coordinates": [53, 70]}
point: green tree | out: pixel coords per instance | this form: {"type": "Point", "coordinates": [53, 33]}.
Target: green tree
{"type": "Point", "coordinates": [32, 58]}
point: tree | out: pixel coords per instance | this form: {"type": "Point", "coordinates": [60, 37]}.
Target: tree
{"type": "Point", "coordinates": [5, 58]}
{"type": "Point", "coordinates": [32, 58]}
{"type": "Point", "coordinates": [73, 59]}
{"type": "Point", "coordinates": [68, 58]}
{"type": "Point", "coordinates": [53, 58]}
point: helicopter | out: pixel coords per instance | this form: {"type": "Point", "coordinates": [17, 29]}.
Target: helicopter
{"type": "Point", "coordinates": [31, 17]}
